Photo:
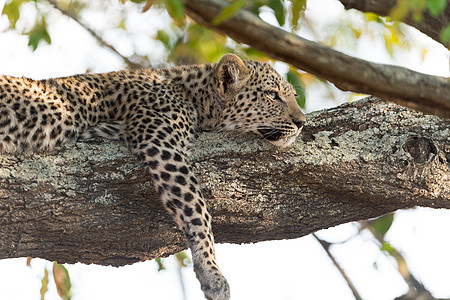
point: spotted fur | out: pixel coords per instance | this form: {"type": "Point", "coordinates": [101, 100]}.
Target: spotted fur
{"type": "Point", "coordinates": [157, 113]}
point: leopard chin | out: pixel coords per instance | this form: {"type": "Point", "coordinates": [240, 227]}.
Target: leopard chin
{"type": "Point", "coordinates": [276, 137]}
{"type": "Point", "coordinates": [270, 134]}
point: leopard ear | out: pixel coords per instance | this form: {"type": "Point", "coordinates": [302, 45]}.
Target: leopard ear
{"type": "Point", "coordinates": [230, 73]}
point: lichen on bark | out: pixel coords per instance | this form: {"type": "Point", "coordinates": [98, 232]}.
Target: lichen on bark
{"type": "Point", "coordinates": [93, 202]}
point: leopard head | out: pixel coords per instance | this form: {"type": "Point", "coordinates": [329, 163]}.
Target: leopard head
{"type": "Point", "coordinates": [257, 99]}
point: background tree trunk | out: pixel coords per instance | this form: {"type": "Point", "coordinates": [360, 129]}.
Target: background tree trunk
{"type": "Point", "coordinates": [419, 91]}
{"type": "Point", "coordinates": [431, 26]}
{"type": "Point", "coordinates": [92, 202]}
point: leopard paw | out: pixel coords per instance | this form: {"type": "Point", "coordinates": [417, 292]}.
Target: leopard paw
{"type": "Point", "coordinates": [215, 287]}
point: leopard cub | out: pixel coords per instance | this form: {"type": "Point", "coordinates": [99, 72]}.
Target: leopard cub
{"type": "Point", "coordinates": [157, 112]}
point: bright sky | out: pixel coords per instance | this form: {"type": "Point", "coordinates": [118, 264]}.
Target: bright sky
{"type": "Point", "coordinates": [294, 269]}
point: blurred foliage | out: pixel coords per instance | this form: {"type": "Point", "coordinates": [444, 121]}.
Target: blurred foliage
{"type": "Point", "coordinates": [61, 278]}
{"type": "Point", "coordinates": [194, 44]}
{"type": "Point", "coordinates": [381, 225]}
{"type": "Point", "coordinates": [188, 43]}
{"type": "Point", "coordinates": [62, 281]}
{"type": "Point", "coordinates": [445, 35]}
{"type": "Point", "coordinates": [378, 229]}
{"type": "Point", "coordinates": [229, 11]}
{"type": "Point", "coordinates": [183, 259]}
{"type": "Point", "coordinates": [37, 34]}
{"type": "Point", "coordinates": [298, 8]}
{"type": "Point", "coordinates": [161, 267]}
{"type": "Point", "coordinates": [12, 10]}
{"type": "Point", "coordinates": [294, 78]}
{"type": "Point", "coordinates": [44, 284]}
{"type": "Point", "coordinates": [416, 8]}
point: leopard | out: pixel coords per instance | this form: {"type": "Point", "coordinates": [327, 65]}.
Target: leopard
{"type": "Point", "coordinates": [158, 113]}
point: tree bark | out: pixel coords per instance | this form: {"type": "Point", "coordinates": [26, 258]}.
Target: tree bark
{"type": "Point", "coordinates": [431, 26]}
{"type": "Point", "coordinates": [422, 92]}
{"type": "Point", "coordinates": [92, 202]}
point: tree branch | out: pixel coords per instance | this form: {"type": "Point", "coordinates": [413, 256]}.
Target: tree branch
{"type": "Point", "coordinates": [93, 202]}
{"type": "Point", "coordinates": [416, 290]}
{"type": "Point", "coordinates": [129, 62]}
{"type": "Point", "coordinates": [326, 246]}
{"type": "Point", "coordinates": [430, 25]}
{"type": "Point", "coordinates": [412, 89]}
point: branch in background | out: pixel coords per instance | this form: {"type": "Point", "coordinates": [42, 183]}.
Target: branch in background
{"type": "Point", "coordinates": [422, 92]}
{"type": "Point", "coordinates": [326, 246]}
{"type": "Point", "coordinates": [93, 202]}
{"type": "Point", "coordinates": [416, 289]}
{"type": "Point", "coordinates": [130, 64]}
{"type": "Point", "coordinates": [430, 25]}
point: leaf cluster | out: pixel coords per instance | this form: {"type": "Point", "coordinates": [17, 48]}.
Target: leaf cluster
{"type": "Point", "coordinates": [61, 279]}
{"type": "Point", "coordinates": [188, 43]}
{"type": "Point", "coordinates": [416, 8]}
{"type": "Point", "coordinates": [38, 32]}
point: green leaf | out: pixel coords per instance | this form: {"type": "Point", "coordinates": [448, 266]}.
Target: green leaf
{"type": "Point", "coordinates": [255, 6]}
{"type": "Point", "coordinates": [12, 10]}
{"type": "Point", "coordinates": [382, 224]}
{"type": "Point", "coordinates": [62, 281]}
{"type": "Point", "coordinates": [175, 8]}
{"type": "Point", "coordinates": [436, 7]}
{"type": "Point", "coordinates": [229, 11]}
{"type": "Point", "coordinates": [417, 7]}
{"type": "Point", "coordinates": [293, 78]}
{"type": "Point", "coordinates": [278, 9]}
{"type": "Point", "coordinates": [388, 44]}
{"type": "Point", "coordinates": [122, 25]}
{"type": "Point", "coordinates": [298, 6]}
{"type": "Point", "coordinates": [400, 10]}
{"type": "Point", "coordinates": [44, 287]}
{"type": "Point", "coordinates": [445, 35]}
{"type": "Point", "coordinates": [160, 264]}
{"type": "Point", "coordinates": [164, 38]}
{"type": "Point", "coordinates": [386, 247]}
{"type": "Point", "coordinates": [183, 259]}
{"type": "Point", "coordinates": [253, 53]}
{"type": "Point", "coordinates": [37, 34]}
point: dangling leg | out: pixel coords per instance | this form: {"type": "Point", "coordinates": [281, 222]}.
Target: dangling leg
{"type": "Point", "coordinates": [180, 193]}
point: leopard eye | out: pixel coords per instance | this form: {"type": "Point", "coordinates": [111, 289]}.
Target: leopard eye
{"type": "Point", "coordinates": [272, 95]}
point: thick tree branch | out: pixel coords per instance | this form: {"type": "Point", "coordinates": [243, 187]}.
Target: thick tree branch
{"type": "Point", "coordinates": [92, 202]}
{"type": "Point", "coordinates": [430, 25]}
{"type": "Point", "coordinates": [412, 89]}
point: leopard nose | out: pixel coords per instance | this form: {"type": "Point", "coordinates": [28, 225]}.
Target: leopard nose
{"type": "Point", "coordinates": [299, 122]}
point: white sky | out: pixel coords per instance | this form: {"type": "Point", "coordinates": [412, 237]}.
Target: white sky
{"type": "Point", "coordinates": [294, 269]}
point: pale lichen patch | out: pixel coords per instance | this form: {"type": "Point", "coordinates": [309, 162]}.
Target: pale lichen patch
{"type": "Point", "coordinates": [106, 198]}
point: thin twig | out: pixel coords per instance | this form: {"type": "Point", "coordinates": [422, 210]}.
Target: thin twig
{"type": "Point", "coordinates": [426, 93]}
{"type": "Point", "coordinates": [415, 287]}
{"type": "Point", "coordinates": [130, 64]}
{"type": "Point", "coordinates": [326, 246]}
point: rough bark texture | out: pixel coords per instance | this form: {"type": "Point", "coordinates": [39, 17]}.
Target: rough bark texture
{"type": "Point", "coordinates": [431, 26]}
{"type": "Point", "coordinates": [412, 89]}
{"type": "Point", "coordinates": [92, 202]}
